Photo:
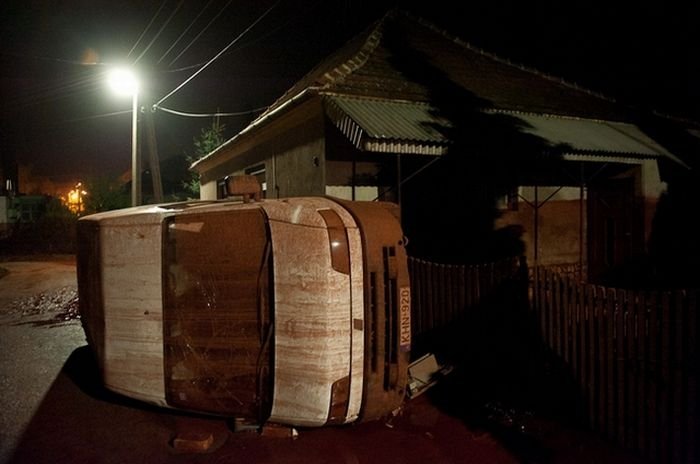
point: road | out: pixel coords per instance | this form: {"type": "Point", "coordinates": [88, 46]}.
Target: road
{"type": "Point", "coordinates": [54, 409]}
{"type": "Point", "coordinates": [34, 346]}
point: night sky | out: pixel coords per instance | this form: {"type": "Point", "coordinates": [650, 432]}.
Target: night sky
{"type": "Point", "coordinates": [58, 113]}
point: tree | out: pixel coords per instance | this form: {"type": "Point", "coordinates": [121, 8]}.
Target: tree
{"type": "Point", "coordinates": [208, 140]}
{"type": "Point", "coordinates": [105, 194]}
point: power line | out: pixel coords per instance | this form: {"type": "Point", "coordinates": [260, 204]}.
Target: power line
{"type": "Point", "coordinates": [98, 116]}
{"type": "Point", "coordinates": [53, 91]}
{"type": "Point", "coordinates": [210, 115]}
{"type": "Point", "coordinates": [147, 28]}
{"type": "Point", "coordinates": [217, 55]}
{"type": "Point", "coordinates": [200, 33]}
{"type": "Point", "coordinates": [167, 21]}
{"type": "Point", "coordinates": [50, 58]}
{"type": "Point", "coordinates": [185, 31]}
{"type": "Point", "coordinates": [241, 46]}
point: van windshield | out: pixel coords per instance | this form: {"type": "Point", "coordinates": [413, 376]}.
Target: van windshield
{"type": "Point", "coordinates": [216, 312]}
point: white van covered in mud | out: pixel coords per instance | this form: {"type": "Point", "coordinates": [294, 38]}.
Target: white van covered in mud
{"type": "Point", "coordinates": [294, 311]}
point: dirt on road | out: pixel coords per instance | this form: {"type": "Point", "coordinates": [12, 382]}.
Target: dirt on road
{"type": "Point", "coordinates": [39, 330]}
{"type": "Point", "coordinates": [33, 286]}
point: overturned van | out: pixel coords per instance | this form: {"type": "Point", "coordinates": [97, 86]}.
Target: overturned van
{"type": "Point", "coordinates": [294, 311]}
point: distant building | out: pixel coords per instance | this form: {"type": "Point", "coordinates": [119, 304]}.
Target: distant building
{"type": "Point", "coordinates": [31, 183]}
{"type": "Point", "coordinates": [407, 113]}
{"type": "Point", "coordinates": [25, 197]}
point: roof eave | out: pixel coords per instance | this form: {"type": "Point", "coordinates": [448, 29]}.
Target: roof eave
{"type": "Point", "coordinates": [209, 160]}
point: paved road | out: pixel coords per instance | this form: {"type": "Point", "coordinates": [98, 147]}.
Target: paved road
{"type": "Point", "coordinates": [33, 345]}
{"type": "Point", "coordinates": [54, 409]}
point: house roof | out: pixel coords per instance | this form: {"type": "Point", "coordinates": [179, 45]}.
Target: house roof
{"type": "Point", "coordinates": [368, 66]}
{"type": "Point", "coordinates": [388, 125]}
{"type": "Point", "coordinates": [591, 136]}
{"type": "Point", "coordinates": [409, 127]}
{"type": "Point", "coordinates": [365, 87]}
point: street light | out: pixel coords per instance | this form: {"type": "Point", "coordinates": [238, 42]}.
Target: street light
{"type": "Point", "coordinates": [124, 82]}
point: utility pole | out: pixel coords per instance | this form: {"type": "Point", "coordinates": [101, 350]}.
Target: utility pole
{"type": "Point", "coordinates": [153, 159]}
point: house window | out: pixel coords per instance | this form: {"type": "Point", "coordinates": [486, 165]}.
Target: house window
{"type": "Point", "coordinates": [221, 191]}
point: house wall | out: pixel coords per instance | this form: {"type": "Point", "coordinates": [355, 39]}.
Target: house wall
{"type": "Point", "coordinates": [299, 171]}
{"type": "Point", "coordinates": [651, 188]}
{"type": "Point", "coordinates": [292, 148]}
{"type": "Point", "coordinates": [649, 211]}
{"type": "Point", "coordinates": [561, 226]}
{"type": "Point", "coordinates": [563, 229]}
{"type": "Point", "coordinates": [355, 174]}
{"type": "Point", "coordinates": [207, 191]}
{"type": "Point", "coordinates": [304, 154]}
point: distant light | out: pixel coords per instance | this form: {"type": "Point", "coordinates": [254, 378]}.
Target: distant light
{"type": "Point", "coordinates": [74, 199]}
{"type": "Point", "coordinates": [123, 82]}
{"type": "Point", "coordinates": [90, 56]}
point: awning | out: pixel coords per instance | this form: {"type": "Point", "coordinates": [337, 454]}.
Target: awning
{"type": "Point", "coordinates": [387, 126]}
{"type": "Point", "coordinates": [393, 126]}
{"type": "Point", "coordinates": [587, 135]}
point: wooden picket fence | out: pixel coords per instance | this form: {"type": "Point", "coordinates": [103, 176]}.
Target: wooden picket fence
{"type": "Point", "coordinates": [633, 355]}
{"type": "Point", "coordinates": [443, 293]}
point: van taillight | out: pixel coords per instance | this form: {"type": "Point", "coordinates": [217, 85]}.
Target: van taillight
{"type": "Point", "coordinates": [340, 395]}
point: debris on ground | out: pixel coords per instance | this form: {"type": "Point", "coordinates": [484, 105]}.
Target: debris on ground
{"type": "Point", "coordinates": [54, 307]}
{"type": "Point", "coordinates": [239, 425]}
{"type": "Point", "coordinates": [193, 442]}
{"type": "Point", "coordinates": [508, 417]}
{"type": "Point", "coordinates": [423, 373]}
{"type": "Point", "coordinates": [278, 431]}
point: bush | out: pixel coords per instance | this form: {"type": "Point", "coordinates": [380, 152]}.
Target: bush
{"type": "Point", "coordinates": [54, 231]}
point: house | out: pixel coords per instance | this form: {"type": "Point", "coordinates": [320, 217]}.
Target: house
{"type": "Point", "coordinates": [484, 156]}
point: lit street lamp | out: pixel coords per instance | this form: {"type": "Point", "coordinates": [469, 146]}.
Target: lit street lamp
{"type": "Point", "coordinates": [124, 82]}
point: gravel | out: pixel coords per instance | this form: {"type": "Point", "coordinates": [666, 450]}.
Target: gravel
{"type": "Point", "coordinates": [47, 308]}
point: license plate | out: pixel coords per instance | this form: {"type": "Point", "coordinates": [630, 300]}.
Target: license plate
{"type": "Point", "coordinates": [405, 318]}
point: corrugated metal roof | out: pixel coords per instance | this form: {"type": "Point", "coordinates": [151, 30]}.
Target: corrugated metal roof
{"type": "Point", "coordinates": [389, 119]}
{"type": "Point", "coordinates": [588, 135]}
{"type": "Point", "coordinates": [412, 127]}
{"type": "Point", "coordinates": [387, 126]}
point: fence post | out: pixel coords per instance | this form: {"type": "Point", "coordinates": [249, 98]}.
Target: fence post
{"type": "Point", "coordinates": [632, 370]}
{"type": "Point", "coordinates": [653, 369]}
{"type": "Point", "coordinates": [693, 358]}
{"type": "Point", "coordinates": [610, 300]}
{"type": "Point", "coordinates": [622, 367]}
{"type": "Point", "coordinates": [664, 387]}
{"type": "Point", "coordinates": [678, 362]}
